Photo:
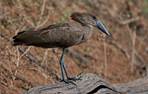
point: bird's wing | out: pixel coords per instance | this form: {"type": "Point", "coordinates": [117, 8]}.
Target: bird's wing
{"type": "Point", "coordinates": [51, 36]}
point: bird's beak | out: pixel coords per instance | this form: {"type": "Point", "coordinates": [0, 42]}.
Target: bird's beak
{"type": "Point", "coordinates": [102, 27]}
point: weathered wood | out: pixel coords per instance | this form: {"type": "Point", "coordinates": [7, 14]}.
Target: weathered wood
{"type": "Point", "coordinates": [92, 84]}
{"type": "Point", "coordinates": [139, 86]}
{"type": "Point", "coordinates": [88, 84]}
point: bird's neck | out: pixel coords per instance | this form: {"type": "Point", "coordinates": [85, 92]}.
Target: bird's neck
{"type": "Point", "coordinates": [85, 28]}
{"type": "Point", "coordinates": [90, 27]}
{"type": "Point", "coordinates": [88, 31]}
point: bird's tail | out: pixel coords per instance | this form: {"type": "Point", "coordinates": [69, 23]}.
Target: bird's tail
{"type": "Point", "coordinates": [16, 40]}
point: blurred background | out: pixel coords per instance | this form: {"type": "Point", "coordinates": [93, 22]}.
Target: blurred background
{"type": "Point", "coordinates": [121, 59]}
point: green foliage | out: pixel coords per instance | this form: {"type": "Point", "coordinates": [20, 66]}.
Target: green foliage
{"type": "Point", "coordinates": [145, 8]}
{"type": "Point", "coordinates": [65, 17]}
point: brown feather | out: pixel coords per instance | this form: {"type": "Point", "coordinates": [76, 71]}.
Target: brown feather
{"type": "Point", "coordinates": [58, 35]}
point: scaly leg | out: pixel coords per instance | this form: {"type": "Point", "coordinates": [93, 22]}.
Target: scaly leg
{"type": "Point", "coordinates": [63, 66]}
{"type": "Point", "coordinates": [63, 70]}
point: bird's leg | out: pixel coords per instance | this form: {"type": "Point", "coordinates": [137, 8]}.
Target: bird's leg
{"type": "Point", "coordinates": [66, 74]}
{"type": "Point", "coordinates": [61, 66]}
{"type": "Point", "coordinates": [69, 78]}
{"type": "Point", "coordinates": [63, 69]}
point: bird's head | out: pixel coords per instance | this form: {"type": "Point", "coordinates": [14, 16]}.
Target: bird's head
{"type": "Point", "coordinates": [88, 19]}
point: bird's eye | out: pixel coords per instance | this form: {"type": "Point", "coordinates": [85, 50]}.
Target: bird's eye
{"type": "Point", "coordinates": [94, 17]}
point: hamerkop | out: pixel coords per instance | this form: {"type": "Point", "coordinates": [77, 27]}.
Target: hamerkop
{"type": "Point", "coordinates": [62, 35]}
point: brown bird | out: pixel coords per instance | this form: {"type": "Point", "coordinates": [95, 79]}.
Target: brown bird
{"type": "Point", "coordinates": [62, 35]}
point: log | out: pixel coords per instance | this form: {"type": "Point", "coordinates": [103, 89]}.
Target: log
{"type": "Point", "coordinates": [88, 84]}
{"type": "Point", "coordinates": [139, 86]}
{"type": "Point", "coordinates": [92, 84]}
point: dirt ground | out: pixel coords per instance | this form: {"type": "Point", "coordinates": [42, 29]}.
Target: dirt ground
{"type": "Point", "coordinates": [121, 59]}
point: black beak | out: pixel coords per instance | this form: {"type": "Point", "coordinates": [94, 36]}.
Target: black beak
{"type": "Point", "coordinates": [102, 27]}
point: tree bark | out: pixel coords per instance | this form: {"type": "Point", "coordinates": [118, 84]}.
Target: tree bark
{"type": "Point", "coordinates": [92, 84]}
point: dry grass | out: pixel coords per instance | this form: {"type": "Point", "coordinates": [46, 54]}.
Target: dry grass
{"type": "Point", "coordinates": [121, 59]}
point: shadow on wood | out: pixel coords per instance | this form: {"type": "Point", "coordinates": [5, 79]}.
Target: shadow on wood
{"type": "Point", "coordinates": [92, 84]}
{"type": "Point", "coordinates": [88, 84]}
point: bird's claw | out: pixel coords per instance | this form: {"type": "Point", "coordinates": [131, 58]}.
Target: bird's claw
{"type": "Point", "coordinates": [74, 78]}
{"type": "Point", "coordinates": [68, 81]}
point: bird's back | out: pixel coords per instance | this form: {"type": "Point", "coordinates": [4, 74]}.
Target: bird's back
{"type": "Point", "coordinates": [57, 35]}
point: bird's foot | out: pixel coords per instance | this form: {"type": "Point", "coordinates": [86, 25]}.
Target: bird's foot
{"type": "Point", "coordinates": [74, 78]}
{"type": "Point", "coordinates": [68, 82]}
